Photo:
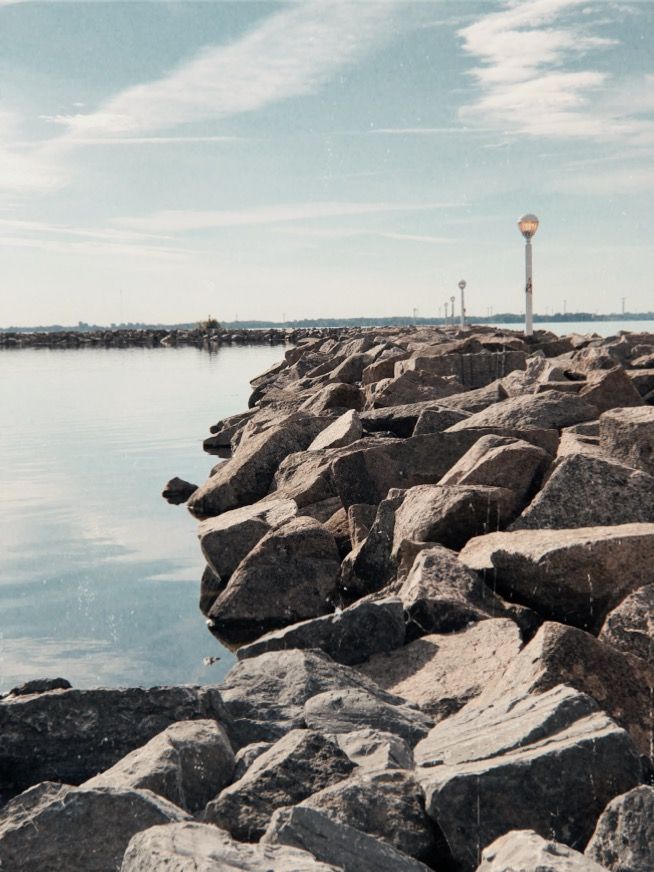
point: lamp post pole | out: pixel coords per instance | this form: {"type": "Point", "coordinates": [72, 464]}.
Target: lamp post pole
{"type": "Point", "coordinates": [462, 286]}
{"type": "Point", "coordinates": [528, 225]}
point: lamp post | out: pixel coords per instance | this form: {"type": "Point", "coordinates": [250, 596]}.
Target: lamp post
{"type": "Point", "coordinates": [462, 286]}
{"type": "Point", "coordinates": [528, 225]}
{"type": "Point", "coordinates": [452, 310]}
{"type": "Point", "coordinates": [445, 315]}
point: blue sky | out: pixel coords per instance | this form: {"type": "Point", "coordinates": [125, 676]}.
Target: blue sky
{"type": "Point", "coordinates": [160, 161]}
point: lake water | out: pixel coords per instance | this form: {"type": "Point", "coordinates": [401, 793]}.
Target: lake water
{"type": "Point", "coordinates": [99, 576]}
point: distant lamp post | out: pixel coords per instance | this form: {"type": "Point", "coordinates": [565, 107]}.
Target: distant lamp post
{"type": "Point", "coordinates": [462, 287]}
{"type": "Point", "coordinates": [445, 315]}
{"type": "Point", "coordinates": [452, 302]}
{"type": "Point", "coordinates": [528, 225]}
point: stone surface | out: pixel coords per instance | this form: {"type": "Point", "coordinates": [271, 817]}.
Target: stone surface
{"type": "Point", "coordinates": [573, 576]}
{"type": "Point", "coordinates": [549, 763]}
{"type": "Point", "coordinates": [440, 673]}
{"type": "Point", "coordinates": [437, 420]}
{"type": "Point", "coordinates": [71, 735]}
{"type": "Point", "coordinates": [297, 765]}
{"type": "Point", "coordinates": [246, 757]}
{"type": "Point", "coordinates": [403, 420]}
{"type": "Point", "coordinates": [412, 386]}
{"type": "Point", "coordinates": [334, 396]}
{"type": "Point", "coordinates": [343, 431]}
{"type": "Point", "coordinates": [374, 750]}
{"type": "Point", "coordinates": [585, 491]}
{"type": "Point", "coordinates": [627, 435]}
{"type": "Point", "coordinates": [476, 400]}
{"type": "Point", "coordinates": [609, 389]}
{"type": "Point", "coordinates": [629, 627]}
{"type": "Point", "coordinates": [177, 491]}
{"type": "Point", "coordinates": [342, 845]}
{"type": "Point", "coordinates": [389, 805]}
{"type": "Point", "coordinates": [59, 828]}
{"type": "Point", "coordinates": [265, 696]}
{"type": "Point", "coordinates": [349, 636]}
{"type": "Point", "coordinates": [188, 764]}
{"type": "Point", "coordinates": [552, 409]}
{"type": "Point", "coordinates": [342, 711]}
{"type": "Point", "coordinates": [194, 847]}
{"type": "Point", "coordinates": [39, 685]}
{"type": "Point", "coordinates": [526, 851]}
{"type": "Point", "coordinates": [623, 840]}
{"type": "Point", "coordinates": [289, 576]}
{"type": "Point", "coordinates": [360, 518]}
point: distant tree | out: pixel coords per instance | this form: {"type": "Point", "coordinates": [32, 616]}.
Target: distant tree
{"type": "Point", "coordinates": [209, 324]}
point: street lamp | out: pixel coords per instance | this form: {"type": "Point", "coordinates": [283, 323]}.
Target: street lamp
{"type": "Point", "coordinates": [528, 225]}
{"type": "Point", "coordinates": [452, 302]}
{"type": "Point", "coordinates": [462, 285]}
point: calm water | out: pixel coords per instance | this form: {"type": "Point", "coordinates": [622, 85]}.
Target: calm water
{"type": "Point", "coordinates": [99, 576]}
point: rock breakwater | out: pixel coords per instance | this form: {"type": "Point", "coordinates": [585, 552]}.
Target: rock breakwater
{"type": "Point", "coordinates": [433, 551]}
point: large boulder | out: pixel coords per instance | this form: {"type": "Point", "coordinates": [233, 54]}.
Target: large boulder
{"type": "Point", "coordinates": [573, 576]}
{"type": "Point", "coordinates": [627, 436]}
{"type": "Point", "coordinates": [374, 751]}
{"type": "Point", "coordinates": [623, 840]}
{"type": "Point", "coordinates": [552, 409]}
{"type": "Point", "coordinates": [610, 389]}
{"type": "Point", "coordinates": [440, 673]}
{"type": "Point", "coordinates": [270, 590]}
{"type": "Point", "coordinates": [297, 765]}
{"type": "Point", "coordinates": [474, 370]}
{"type": "Point", "coordinates": [629, 627]}
{"type": "Point", "coordinates": [526, 851]}
{"type": "Point", "coordinates": [549, 763]}
{"type": "Point", "coordinates": [349, 636]}
{"type": "Point", "coordinates": [265, 695]}
{"type": "Point", "coordinates": [338, 843]}
{"type": "Point", "coordinates": [71, 735]}
{"type": "Point", "coordinates": [403, 420]}
{"type": "Point", "coordinates": [188, 764]}
{"type": "Point", "coordinates": [476, 400]}
{"type": "Point", "coordinates": [413, 386]}
{"type": "Point", "coordinates": [59, 828]}
{"type": "Point", "coordinates": [194, 847]}
{"type": "Point", "coordinates": [339, 396]}
{"type": "Point", "coordinates": [345, 430]}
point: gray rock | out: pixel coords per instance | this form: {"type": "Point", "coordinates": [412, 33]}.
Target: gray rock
{"type": "Point", "coordinates": [573, 576]}
{"type": "Point", "coordinates": [360, 518]}
{"type": "Point", "coordinates": [39, 685]}
{"type": "Point", "coordinates": [42, 738]}
{"type": "Point", "coordinates": [342, 711]}
{"type": "Point", "coordinates": [297, 765]}
{"type": "Point", "coordinates": [177, 491]}
{"type": "Point", "coordinates": [370, 567]}
{"type": "Point", "coordinates": [627, 436]}
{"type": "Point", "coordinates": [349, 636]}
{"type": "Point", "coordinates": [334, 396]}
{"type": "Point", "coordinates": [548, 763]}
{"type": "Point", "coordinates": [246, 757]}
{"type": "Point", "coordinates": [265, 695]}
{"type": "Point", "coordinates": [374, 750]}
{"type": "Point", "coordinates": [412, 386]}
{"type": "Point", "coordinates": [609, 389]}
{"type": "Point", "coordinates": [388, 804]}
{"type": "Point", "coordinates": [440, 673]}
{"type": "Point", "coordinates": [193, 847]}
{"type": "Point", "coordinates": [58, 828]}
{"type": "Point", "coordinates": [210, 586]}
{"type": "Point", "coordinates": [230, 537]}
{"type": "Point", "coordinates": [188, 764]}
{"type": "Point", "coordinates": [474, 370]}
{"type": "Point", "coordinates": [552, 409]}
{"type": "Point", "coordinates": [476, 400]}
{"type": "Point", "coordinates": [437, 420]}
{"type": "Point", "coordinates": [343, 431]}
{"type": "Point", "coordinates": [623, 840]}
{"type": "Point", "coordinates": [403, 420]}
{"type": "Point", "coordinates": [629, 627]}
{"type": "Point", "coordinates": [526, 851]}
{"type": "Point", "coordinates": [268, 590]}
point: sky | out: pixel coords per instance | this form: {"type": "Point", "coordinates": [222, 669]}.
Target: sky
{"type": "Point", "coordinates": [163, 161]}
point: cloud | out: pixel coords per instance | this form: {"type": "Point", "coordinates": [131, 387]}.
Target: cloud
{"type": "Point", "coordinates": [292, 53]}
{"type": "Point", "coordinates": [609, 182]}
{"type": "Point", "coordinates": [24, 168]}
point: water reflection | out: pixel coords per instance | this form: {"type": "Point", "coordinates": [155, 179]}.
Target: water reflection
{"type": "Point", "coordinates": [99, 576]}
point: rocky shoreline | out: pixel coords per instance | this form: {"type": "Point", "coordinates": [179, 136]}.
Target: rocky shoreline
{"type": "Point", "coordinates": [434, 554]}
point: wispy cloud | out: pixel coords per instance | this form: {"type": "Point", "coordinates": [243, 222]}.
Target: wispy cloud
{"type": "Point", "coordinates": [357, 232]}
{"type": "Point", "coordinates": [179, 221]}
{"type": "Point", "coordinates": [95, 247]}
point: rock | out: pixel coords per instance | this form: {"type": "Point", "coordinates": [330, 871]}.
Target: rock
{"type": "Point", "coordinates": [230, 537]}
{"type": "Point", "coordinates": [246, 757]}
{"type": "Point", "coordinates": [498, 461]}
{"type": "Point", "coordinates": [193, 847]}
{"type": "Point", "coordinates": [342, 711]}
{"type": "Point", "coordinates": [265, 696]}
{"type": "Point", "coordinates": [629, 627]}
{"type": "Point", "coordinates": [389, 805]}
{"type": "Point", "coordinates": [339, 527]}
{"type": "Point", "coordinates": [43, 739]}
{"type": "Point", "coordinates": [334, 396]}
{"type": "Point", "coordinates": [604, 493]}
{"type": "Point", "coordinates": [344, 846]}
{"type": "Point", "coordinates": [526, 851]}
{"type": "Point", "coordinates": [474, 370]}
{"type": "Point", "coordinates": [402, 420]}
{"type": "Point", "coordinates": [370, 566]}
{"type": "Point", "coordinates": [609, 389]}
{"type": "Point", "coordinates": [268, 590]}
{"type": "Point", "coordinates": [59, 828]}
{"type": "Point", "coordinates": [374, 750]}
{"type": "Point", "coordinates": [437, 420]}
{"type": "Point", "coordinates": [188, 764]}
{"type": "Point", "coordinates": [621, 684]}
{"type": "Point", "coordinates": [449, 515]}
{"type": "Point", "coordinates": [248, 475]}
{"type": "Point", "coordinates": [39, 685]}
{"type": "Point", "coordinates": [210, 586]}
{"type": "Point", "coordinates": [350, 370]}
{"type": "Point", "coordinates": [360, 518]}
{"type": "Point", "coordinates": [548, 763]}
{"type": "Point", "coordinates": [343, 431]}
{"type": "Point", "coordinates": [623, 840]}
{"type": "Point", "coordinates": [349, 636]}
{"type": "Point", "coordinates": [552, 409]}
{"type": "Point", "coordinates": [573, 576]}
{"type": "Point", "coordinates": [177, 491]}
{"type": "Point", "coordinates": [627, 436]}
{"type": "Point", "coordinates": [297, 765]}
{"type": "Point", "coordinates": [412, 386]}
{"type": "Point", "coordinates": [476, 400]}
{"type": "Point", "coordinates": [384, 367]}
{"type": "Point", "coordinates": [440, 673]}
{"type": "Point", "coordinates": [642, 380]}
